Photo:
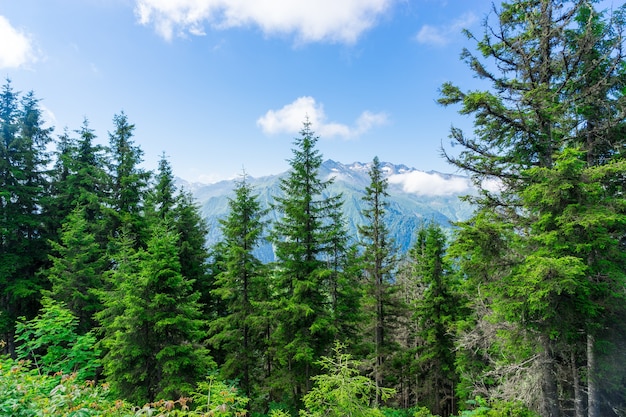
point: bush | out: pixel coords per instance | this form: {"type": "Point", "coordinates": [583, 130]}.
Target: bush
{"type": "Point", "coordinates": [51, 342]}
{"type": "Point", "coordinates": [482, 408]}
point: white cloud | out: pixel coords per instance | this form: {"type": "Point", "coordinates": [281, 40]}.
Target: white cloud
{"type": "Point", "coordinates": [493, 185]}
{"type": "Point", "coordinates": [16, 49]}
{"type": "Point", "coordinates": [443, 35]}
{"type": "Point", "coordinates": [48, 116]}
{"type": "Point", "coordinates": [423, 183]}
{"type": "Point", "coordinates": [289, 119]}
{"type": "Point", "coordinates": [311, 21]}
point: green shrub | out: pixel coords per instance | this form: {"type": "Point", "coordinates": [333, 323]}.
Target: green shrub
{"type": "Point", "coordinates": [483, 408]}
{"type": "Point", "coordinates": [51, 342]}
{"type": "Point", "coordinates": [342, 391]}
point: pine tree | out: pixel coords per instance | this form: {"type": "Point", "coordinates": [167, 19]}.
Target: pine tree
{"type": "Point", "coordinates": [344, 278]}
{"type": "Point", "coordinates": [435, 311]}
{"type": "Point", "coordinates": [151, 322]}
{"type": "Point", "coordinates": [77, 222]}
{"type": "Point", "coordinates": [23, 184]}
{"type": "Point", "coordinates": [240, 332]}
{"type": "Point", "coordinates": [556, 87]}
{"type": "Point", "coordinates": [165, 201]}
{"type": "Point", "coordinates": [301, 310]}
{"type": "Point", "coordinates": [378, 265]}
{"type": "Point", "coordinates": [78, 263]}
{"type": "Point", "coordinates": [128, 181]}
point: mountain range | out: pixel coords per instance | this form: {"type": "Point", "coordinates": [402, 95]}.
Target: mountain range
{"type": "Point", "coordinates": [415, 196]}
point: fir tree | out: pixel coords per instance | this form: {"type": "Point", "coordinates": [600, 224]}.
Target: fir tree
{"type": "Point", "coordinates": [151, 322]}
{"type": "Point", "coordinates": [241, 331]}
{"type": "Point", "coordinates": [435, 312]}
{"type": "Point", "coordinates": [128, 181]}
{"type": "Point", "coordinates": [23, 184]}
{"type": "Point", "coordinates": [556, 87]}
{"type": "Point", "coordinates": [378, 264]}
{"type": "Point", "coordinates": [301, 310]}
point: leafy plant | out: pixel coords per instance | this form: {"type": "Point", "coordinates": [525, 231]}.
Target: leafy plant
{"type": "Point", "coordinates": [218, 399]}
{"type": "Point", "coordinates": [50, 340]}
{"type": "Point", "coordinates": [482, 408]}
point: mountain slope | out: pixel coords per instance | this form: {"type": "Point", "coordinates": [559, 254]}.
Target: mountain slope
{"type": "Point", "coordinates": [414, 196]}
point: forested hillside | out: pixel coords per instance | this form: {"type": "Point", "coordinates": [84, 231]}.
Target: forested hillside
{"type": "Point", "coordinates": [111, 296]}
{"type": "Point", "coordinates": [438, 201]}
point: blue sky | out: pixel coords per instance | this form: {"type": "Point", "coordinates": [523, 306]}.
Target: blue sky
{"type": "Point", "coordinates": [223, 85]}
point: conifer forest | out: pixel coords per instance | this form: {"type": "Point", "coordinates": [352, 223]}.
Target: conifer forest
{"type": "Point", "coordinates": [112, 303]}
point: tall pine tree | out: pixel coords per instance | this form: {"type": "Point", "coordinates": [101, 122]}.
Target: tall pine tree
{"type": "Point", "coordinates": [301, 313]}
{"type": "Point", "coordinates": [378, 265]}
{"type": "Point", "coordinates": [435, 311]}
{"type": "Point", "coordinates": [556, 71]}
{"type": "Point", "coordinates": [151, 322]}
{"type": "Point", "coordinates": [241, 330]}
{"type": "Point", "coordinates": [128, 182]}
{"type": "Point", "coordinates": [23, 187]}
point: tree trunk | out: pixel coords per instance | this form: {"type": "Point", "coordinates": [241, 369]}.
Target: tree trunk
{"type": "Point", "coordinates": [549, 389]}
{"type": "Point", "coordinates": [592, 387]}
{"type": "Point", "coordinates": [579, 409]}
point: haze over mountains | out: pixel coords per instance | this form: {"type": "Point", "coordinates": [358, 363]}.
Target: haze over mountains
{"type": "Point", "coordinates": [414, 196]}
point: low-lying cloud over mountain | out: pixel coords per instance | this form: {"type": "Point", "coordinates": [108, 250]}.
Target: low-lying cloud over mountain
{"type": "Point", "coordinates": [431, 183]}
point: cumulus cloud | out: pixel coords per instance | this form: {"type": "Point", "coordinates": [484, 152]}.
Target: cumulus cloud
{"type": "Point", "coordinates": [432, 184]}
{"type": "Point", "coordinates": [443, 35]}
{"type": "Point", "coordinates": [289, 119]}
{"type": "Point", "coordinates": [16, 49]}
{"type": "Point", "coordinates": [310, 21]}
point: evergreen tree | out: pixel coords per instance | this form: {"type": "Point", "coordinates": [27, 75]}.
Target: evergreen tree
{"type": "Point", "coordinates": [301, 312]}
{"type": "Point", "coordinates": [162, 197]}
{"type": "Point", "coordinates": [165, 201]}
{"type": "Point", "coordinates": [76, 216]}
{"type": "Point", "coordinates": [79, 177]}
{"type": "Point", "coordinates": [557, 76]}
{"type": "Point", "coordinates": [151, 322]}
{"type": "Point", "coordinates": [344, 278]}
{"type": "Point", "coordinates": [128, 181]}
{"type": "Point", "coordinates": [435, 312]}
{"type": "Point", "coordinates": [240, 332]}
{"type": "Point", "coordinates": [576, 235]}
{"type": "Point", "coordinates": [378, 264]}
{"type": "Point", "coordinates": [78, 264]}
{"type": "Point", "coordinates": [193, 252]}
{"type": "Point", "coordinates": [23, 184]}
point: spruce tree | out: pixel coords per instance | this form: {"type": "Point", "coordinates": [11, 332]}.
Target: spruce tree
{"type": "Point", "coordinates": [343, 278]}
{"type": "Point", "coordinates": [556, 86]}
{"type": "Point", "coordinates": [193, 251]}
{"type": "Point", "coordinates": [379, 263]}
{"type": "Point", "coordinates": [151, 322]}
{"type": "Point", "coordinates": [301, 312]}
{"type": "Point", "coordinates": [162, 196]}
{"type": "Point", "coordinates": [435, 311]}
{"type": "Point", "coordinates": [78, 263]}
{"type": "Point", "coordinates": [23, 186]}
{"type": "Point", "coordinates": [240, 331]}
{"type": "Point", "coordinates": [128, 182]}
{"type": "Point", "coordinates": [78, 194]}
{"type": "Point", "coordinates": [165, 202]}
